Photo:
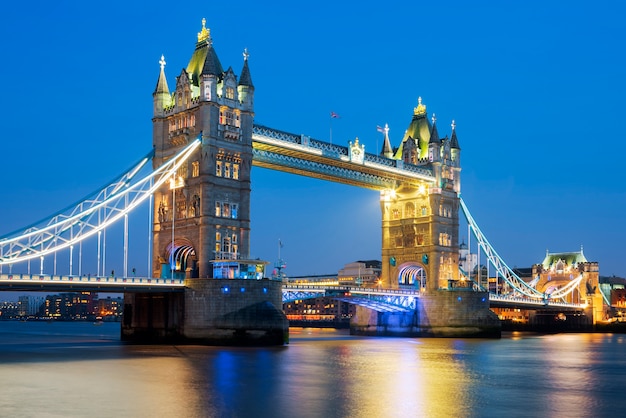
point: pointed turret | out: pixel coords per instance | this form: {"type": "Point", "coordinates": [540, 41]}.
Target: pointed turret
{"type": "Point", "coordinates": [434, 144]}
{"type": "Point", "coordinates": [454, 143]}
{"type": "Point", "coordinates": [245, 79]}
{"type": "Point", "coordinates": [418, 131]}
{"type": "Point", "coordinates": [245, 88]}
{"type": "Point", "coordinates": [161, 96]}
{"type": "Point", "coordinates": [161, 86]}
{"type": "Point", "coordinates": [434, 134]}
{"type": "Point", "coordinates": [387, 151]}
{"type": "Point", "coordinates": [204, 60]}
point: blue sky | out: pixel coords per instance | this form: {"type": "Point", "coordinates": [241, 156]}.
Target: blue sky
{"type": "Point", "coordinates": [536, 89]}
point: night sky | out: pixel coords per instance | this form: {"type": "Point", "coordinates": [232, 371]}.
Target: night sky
{"type": "Point", "coordinates": [537, 90]}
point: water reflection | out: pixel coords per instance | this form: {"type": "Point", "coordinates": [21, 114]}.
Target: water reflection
{"type": "Point", "coordinates": [77, 371]}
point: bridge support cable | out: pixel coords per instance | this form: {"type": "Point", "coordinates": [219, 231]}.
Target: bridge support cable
{"type": "Point", "coordinates": [501, 267]}
{"type": "Point", "coordinates": [561, 292]}
{"type": "Point", "coordinates": [92, 215]}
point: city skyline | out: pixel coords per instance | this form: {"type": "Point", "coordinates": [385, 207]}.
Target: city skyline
{"type": "Point", "coordinates": [533, 103]}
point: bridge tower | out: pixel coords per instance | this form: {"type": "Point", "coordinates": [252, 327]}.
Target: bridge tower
{"type": "Point", "coordinates": [201, 227]}
{"type": "Point", "coordinates": [202, 218]}
{"type": "Point", "coordinates": [420, 222]}
{"type": "Point", "coordinates": [559, 269]}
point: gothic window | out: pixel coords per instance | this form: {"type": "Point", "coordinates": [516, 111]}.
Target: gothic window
{"type": "Point", "coordinates": [226, 210]}
{"type": "Point", "coordinates": [230, 93]}
{"type": "Point", "coordinates": [218, 168]}
{"type": "Point", "coordinates": [236, 171]}
{"type": "Point", "coordinates": [395, 213]}
{"type": "Point", "coordinates": [218, 208]}
{"type": "Point", "coordinates": [226, 244]}
{"type": "Point", "coordinates": [233, 210]}
{"type": "Point", "coordinates": [424, 211]}
{"type": "Point", "coordinates": [409, 210]}
{"type": "Point", "coordinates": [218, 239]}
{"type": "Point", "coordinates": [195, 169]}
{"type": "Point", "coordinates": [227, 170]}
{"type": "Point", "coordinates": [229, 117]}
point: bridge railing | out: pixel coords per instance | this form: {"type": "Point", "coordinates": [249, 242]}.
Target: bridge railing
{"type": "Point", "coordinates": [532, 301]}
{"type": "Point", "coordinates": [337, 151]}
{"type": "Point", "coordinates": [50, 279]}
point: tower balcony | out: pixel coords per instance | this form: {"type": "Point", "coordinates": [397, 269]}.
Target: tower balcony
{"type": "Point", "coordinates": [229, 133]}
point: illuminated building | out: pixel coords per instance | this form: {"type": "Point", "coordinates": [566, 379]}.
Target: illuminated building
{"type": "Point", "coordinates": [420, 222]}
{"type": "Point", "coordinates": [360, 273]}
{"type": "Point", "coordinates": [202, 218]}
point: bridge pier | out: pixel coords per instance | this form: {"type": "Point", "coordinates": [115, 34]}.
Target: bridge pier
{"type": "Point", "coordinates": [213, 312]}
{"type": "Point", "coordinates": [462, 314]}
{"type": "Point", "coordinates": [553, 321]}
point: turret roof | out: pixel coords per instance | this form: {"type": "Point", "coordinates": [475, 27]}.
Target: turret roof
{"type": "Point", "coordinates": [454, 143]}
{"type": "Point", "coordinates": [419, 130]}
{"type": "Point", "coordinates": [571, 258]}
{"type": "Point", "coordinates": [161, 86]}
{"type": "Point", "coordinates": [204, 59]}
{"type": "Point", "coordinates": [387, 151]}
{"type": "Point", "coordinates": [434, 134]}
{"type": "Point", "coordinates": [245, 79]}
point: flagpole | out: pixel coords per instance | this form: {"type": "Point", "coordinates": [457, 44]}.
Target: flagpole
{"type": "Point", "coordinates": [331, 129]}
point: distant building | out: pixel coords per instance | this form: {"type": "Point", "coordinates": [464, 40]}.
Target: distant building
{"type": "Point", "coordinates": [29, 305]}
{"type": "Point", "coordinates": [360, 273]}
{"type": "Point", "coordinates": [9, 310]}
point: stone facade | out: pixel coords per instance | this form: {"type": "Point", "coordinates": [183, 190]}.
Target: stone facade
{"type": "Point", "coordinates": [203, 214]}
{"type": "Point", "coordinates": [438, 314]}
{"type": "Point", "coordinates": [420, 222]}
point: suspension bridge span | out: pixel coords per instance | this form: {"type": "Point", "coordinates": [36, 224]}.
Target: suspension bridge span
{"type": "Point", "coordinates": [202, 284]}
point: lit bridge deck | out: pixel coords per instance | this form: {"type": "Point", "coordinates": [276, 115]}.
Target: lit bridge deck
{"type": "Point", "coordinates": [381, 300]}
{"type": "Point", "coordinates": [45, 282]}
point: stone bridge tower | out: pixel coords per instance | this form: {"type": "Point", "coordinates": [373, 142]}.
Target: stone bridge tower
{"type": "Point", "coordinates": [202, 217]}
{"type": "Point", "coordinates": [420, 223]}
{"type": "Point", "coordinates": [201, 223]}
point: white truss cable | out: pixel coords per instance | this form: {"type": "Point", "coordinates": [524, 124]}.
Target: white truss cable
{"type": "Point", "coordinates": [501, 267]}
{"type": "Point", "coordinates": [567, 289]}
{"type": "Point", "coordinates": [90, 216]}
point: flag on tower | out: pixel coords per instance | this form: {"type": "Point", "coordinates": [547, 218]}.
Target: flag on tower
{"type": "Point", "coordinates": [380, 129]}
{"type": "Point", "coordinates": [334, 115]}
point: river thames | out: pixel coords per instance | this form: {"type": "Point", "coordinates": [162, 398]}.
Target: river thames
{"type": "Point", "coordinates": [82, 370]}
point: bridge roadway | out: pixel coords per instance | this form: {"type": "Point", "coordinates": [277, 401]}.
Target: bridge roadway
{"type": "Point", "coordinates": [382, 300]}
{"type": "Point", "coordinates": [46, 282]}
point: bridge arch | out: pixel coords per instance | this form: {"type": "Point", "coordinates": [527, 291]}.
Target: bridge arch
{"type": "Point", "coordinates": [181, 257]}
{"type": "Point", "coordinates": [412, 274]}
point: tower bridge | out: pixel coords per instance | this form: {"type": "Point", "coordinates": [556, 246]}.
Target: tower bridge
{"type": "Point", "coordinates": [205, 143]}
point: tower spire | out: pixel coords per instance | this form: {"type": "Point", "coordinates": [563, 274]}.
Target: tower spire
{"type": "Point", "coordinates": [387, 151]}
{"type": "Point", "coordinates": [245, 79]}
{"type": "Point", "coordinates": [454, 142]}
{"type": "Point", "coordinates": [161, 86]}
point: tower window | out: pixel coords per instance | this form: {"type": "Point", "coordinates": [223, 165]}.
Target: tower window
{"type": "Point", "coordinates": [230, 93]}
{"type": "Point", "coordinates": [236, 171]}
{"type": "Point", "coordinates": [195, 169]}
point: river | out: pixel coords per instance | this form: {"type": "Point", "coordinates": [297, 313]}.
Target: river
{"type": "Point", "coordinates": [82, 370]}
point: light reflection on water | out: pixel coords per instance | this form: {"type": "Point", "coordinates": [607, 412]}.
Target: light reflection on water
{"type": "Point", "coordinates": [77, 369]}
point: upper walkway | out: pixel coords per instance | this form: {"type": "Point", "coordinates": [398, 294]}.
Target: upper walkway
{"type": "Point", "coordinates": [300, 154]}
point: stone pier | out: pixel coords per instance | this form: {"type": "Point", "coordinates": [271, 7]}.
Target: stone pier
{"type": "Point", "coordinates": [215, 312]}
{"type": "Point", "coordinates": [438, 314]}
